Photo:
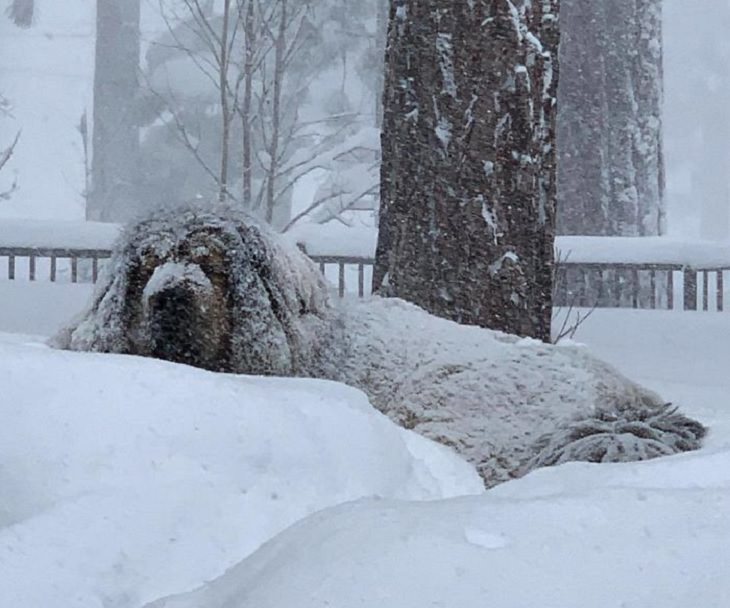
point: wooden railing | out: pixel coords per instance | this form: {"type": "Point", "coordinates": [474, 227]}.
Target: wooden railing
{"type": "Point", "coordinates": [652, 286]}
{"type": "Point", "coordinates": [578, 284]}
{"type": "Point", "coordinates": [53, 255]}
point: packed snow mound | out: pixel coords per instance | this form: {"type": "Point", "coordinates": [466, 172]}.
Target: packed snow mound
{"type": "Point", "coordinates": [126, 479]}
{"type": "Point", "coordinates": [507, 404]}
{"type": "Point", "coordinates": [639, 535]}
{"type": "Point", "coordinates": [211, 289]}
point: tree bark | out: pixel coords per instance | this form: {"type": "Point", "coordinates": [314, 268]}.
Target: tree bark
{"type": "Point", "coordinates": [249, 32]}
{"type": "Point", "coordinates": [279, 69]}
{"type": "Point", "coordinates": [468, 179]}
{"type": "Point", "coordinates": [223, 62]}
{"type": "Point", "coordinates": [115, 148]}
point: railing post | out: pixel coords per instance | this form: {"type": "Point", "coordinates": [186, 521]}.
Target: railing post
{"type": "Point", "coordinates": [670, 289]}
{"type": "Point", "coordinates": [690, 289]}
{"type": "Point", "coordinates": [720, 290]}
{"type": "Point", "coordinates": [341, 281]}
{"type": "Point", "coordinates": [652, 286]}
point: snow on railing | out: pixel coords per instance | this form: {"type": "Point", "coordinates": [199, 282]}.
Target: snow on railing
{"type": "Point", "coordinates": [641, 272]}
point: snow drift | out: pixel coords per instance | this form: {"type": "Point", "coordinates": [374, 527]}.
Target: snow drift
{"type": "Point", "coordinates": [634, 535]}
{"type": "Point", "coordinates": [125, 479]}
{"type": "Point", "coordinates": [217, 291]}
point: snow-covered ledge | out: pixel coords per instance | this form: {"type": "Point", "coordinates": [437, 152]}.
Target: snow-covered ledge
{"type": "Point", "coordinates": [336, 239]}
{"type": "Point", "coordinates": [57, 234]}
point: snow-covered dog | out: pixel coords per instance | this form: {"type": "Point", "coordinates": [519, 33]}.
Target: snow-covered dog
{"type": "Point", "coordinates": [219, 292]}
{"type": "Point", "coordinates": [211, 290]}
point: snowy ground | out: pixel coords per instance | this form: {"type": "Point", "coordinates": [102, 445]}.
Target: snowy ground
{"type": "Point", "coordinates": [125, 480]}
{"type": "Point", "coordinates": [609, 536]}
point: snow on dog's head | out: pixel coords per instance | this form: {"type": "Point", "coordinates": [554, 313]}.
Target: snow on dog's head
{"type": "Point", "coordinates": [208, 288]}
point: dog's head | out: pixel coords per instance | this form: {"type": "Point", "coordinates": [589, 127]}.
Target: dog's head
{"type": "Point", "coordinates": [210, 290]}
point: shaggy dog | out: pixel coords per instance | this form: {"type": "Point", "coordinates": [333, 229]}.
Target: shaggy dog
{"type": "Point", "coordinates": [217, 291]}
{"type": "Point", "coordinates": [210, 290]}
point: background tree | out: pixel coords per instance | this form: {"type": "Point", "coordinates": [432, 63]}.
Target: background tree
{"type": "Point", "coordinates": [611, 166]}
{"type": "Point", "coordinates": [115, 141]}
{"type": "Point", "coordinates": [468, 179]}
{"type": "Point", "coordinates": [21, 13]}
{"type": "Point", "coordinates": [291, 104]}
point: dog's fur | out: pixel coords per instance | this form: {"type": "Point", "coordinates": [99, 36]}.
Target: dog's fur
{"type": "Point", "coordinates": [256, 307]}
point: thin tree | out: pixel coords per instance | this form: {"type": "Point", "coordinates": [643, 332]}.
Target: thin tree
{"type": "Point", "coordinates": [115, 139]}
{"type": "Point", "coordinates": [468, 179]}
{"type": "Point", "coordinates": [20, 12]}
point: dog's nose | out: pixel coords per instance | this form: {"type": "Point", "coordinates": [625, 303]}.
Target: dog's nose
{"type": "Point", "coordinates": [172, 274]}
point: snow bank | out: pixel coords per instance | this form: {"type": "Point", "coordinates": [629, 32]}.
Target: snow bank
{"type": "Point", "coordinates": [635, 535]}
{"type": "Point", "coordinates": [57, 234]}
{"type": "Point", "coordinates": [125, 479]}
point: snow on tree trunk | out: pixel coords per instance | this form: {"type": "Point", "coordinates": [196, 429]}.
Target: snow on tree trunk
{"type": "Point", "coordinates": [114, 171]}
{"type": "Point", "coordinates": [468, 175]}
{"type": "Point", "coordinates": [611, 167]}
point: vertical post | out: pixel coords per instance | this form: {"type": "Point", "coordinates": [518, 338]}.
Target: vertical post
{"type": "Point", "coordinates": [720, 289]}
{"type": "Point", "coordinates": [634, 288]}
{"type": "Point", "coordinates": [670, 289]}
{"type": "Point", "coordinates": [53, 268]}
{"type": "Point", "coordinates": [31, 268]}
{"type": "Point", "coordinates": [652, 286]}
{"type": "Point", "coordinates": [11, 267]}
{"type": "Point", "coordinates": [361, 280]}
{"type": "Point", "coordinates": [616, 287]}
{"type": "Point", "coordinates": [74, 270]}
{"type": "Point", "coordinates": [94, 269]}
{"type": "Point", "coordinates": [690, 289]}
{"type": "Point", "coordinates": [705, 290]}
{"type": "Point", "coordinates": [341, 282]}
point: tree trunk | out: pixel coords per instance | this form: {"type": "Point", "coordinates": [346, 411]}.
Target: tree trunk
{"type": "Point", "coordinates": [611, 176]}
{"type": "Point", "coordinates": [223, 89]}
{"type": "Point", "coordinates": [279, 68]}
{"type": "Point", "coordinates": [381, 38]}
{"type": "Point", "coordinates": [249, 32]}
{"type": "Point", "coordinates": [468, 179]}
{"type": "Point", "coordinates": [114, 167]}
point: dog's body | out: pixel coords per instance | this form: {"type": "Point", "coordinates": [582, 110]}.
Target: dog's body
{"type": "Point", "coordinates": [218, 291]}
